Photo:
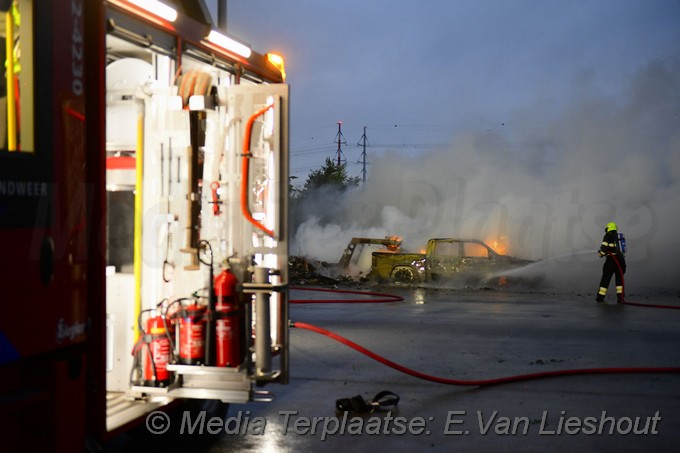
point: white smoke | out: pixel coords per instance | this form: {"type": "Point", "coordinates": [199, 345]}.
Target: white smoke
{"type": "Point", "coordinates": [542, 192]}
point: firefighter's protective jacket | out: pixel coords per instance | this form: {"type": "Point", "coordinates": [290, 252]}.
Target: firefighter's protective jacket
{"type": "Point", "coordinates": [610, 246]}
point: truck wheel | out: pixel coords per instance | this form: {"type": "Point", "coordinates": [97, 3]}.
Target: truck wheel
{"type": "Point", "coordinates": [404, 275]}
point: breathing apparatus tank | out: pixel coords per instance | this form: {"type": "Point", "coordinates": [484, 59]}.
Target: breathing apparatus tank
{"type": "Point", "coordinates": [621, 243]}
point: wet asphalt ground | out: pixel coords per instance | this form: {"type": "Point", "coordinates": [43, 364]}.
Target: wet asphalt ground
{"type": "Point", "coordinates": [471, 335]}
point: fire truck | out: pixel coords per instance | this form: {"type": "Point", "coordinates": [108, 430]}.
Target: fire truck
{"type": "Point", "coordinates": [143, 218]}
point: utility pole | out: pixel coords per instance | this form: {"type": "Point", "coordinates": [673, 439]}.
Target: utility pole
{"type": "Point", "coordinates": [340, 140]}
{"type": "Point", "coordinates": [363, 142]}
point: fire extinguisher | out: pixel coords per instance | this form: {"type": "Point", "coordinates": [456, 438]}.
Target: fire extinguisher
{"type": "Point", "coordinates": [191, 334]}
{"type": "Point", "coordinates": [158, 351]}
{"type": "Point", "coordinates": [228, 321]}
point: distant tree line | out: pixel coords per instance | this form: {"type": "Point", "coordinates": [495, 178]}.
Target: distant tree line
{"type": "Point", "coordinates": [330, 176]}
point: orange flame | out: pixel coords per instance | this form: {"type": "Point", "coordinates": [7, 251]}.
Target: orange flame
{"type": "Point", "coordinates": [393, 244]}
{"type": "Point", "coordinates": [500, 245]}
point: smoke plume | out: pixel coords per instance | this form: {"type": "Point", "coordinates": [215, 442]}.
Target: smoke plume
{"type": "Point", "coordinates": [541, 193]}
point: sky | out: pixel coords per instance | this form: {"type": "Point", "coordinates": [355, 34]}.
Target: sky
{"type": "Point", "coordinates": [417, 73]}
{"type": "Point", "coordinates": [528, 123]}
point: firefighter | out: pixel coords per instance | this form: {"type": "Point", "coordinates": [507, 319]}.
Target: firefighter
{"type": "Point", "coordinates": [614, 264]}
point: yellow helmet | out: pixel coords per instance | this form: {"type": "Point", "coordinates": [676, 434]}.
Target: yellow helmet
{"type": "Point", "coordinates": [611, 226]}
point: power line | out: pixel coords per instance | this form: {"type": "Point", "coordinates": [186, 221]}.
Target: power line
{"type": "Point", "coordinates": [411, 145]}
{"type": "Point", "coordinates": [310, 150]}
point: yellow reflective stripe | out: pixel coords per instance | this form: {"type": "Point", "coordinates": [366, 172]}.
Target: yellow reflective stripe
{"type": "Point", "coordinates": [619, 289]}
{"type": "Point", "coordinates": [602, 291]}
{"type": "Point", "coordinates": [15, 15]}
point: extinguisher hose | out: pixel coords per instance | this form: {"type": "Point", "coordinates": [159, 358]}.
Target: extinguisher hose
{"type": "Point", "coordinates": [167, 334]}
{"type": "Point", "coordinates": [210, 324]}
{"type": "Point", "coordinates": [459, 382]}
{"type": "Point", "coordinates": [140, 346]}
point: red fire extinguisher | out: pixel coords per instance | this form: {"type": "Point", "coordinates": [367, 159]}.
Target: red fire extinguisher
{"type": "Point", "coordinates": [228, 320]}
{"type": "Point", "coordinates": [156, 359]}
{"type": "Point", "coordinates": [192, 334]}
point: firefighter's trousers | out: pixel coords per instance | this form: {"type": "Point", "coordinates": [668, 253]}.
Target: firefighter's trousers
{"type": "Point", "coordinates": [609, 269]}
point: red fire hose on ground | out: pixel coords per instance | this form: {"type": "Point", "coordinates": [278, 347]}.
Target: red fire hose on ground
{"type": "Point", "coordinates": [637, 304]}
{"type": "Point", "coordinates": [448, 381]}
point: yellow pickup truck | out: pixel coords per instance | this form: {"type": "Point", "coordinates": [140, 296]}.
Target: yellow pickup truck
{"type": "Point", "coordinates": [467, 260]}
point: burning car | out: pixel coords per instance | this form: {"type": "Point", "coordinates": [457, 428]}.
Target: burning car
{"type": "Point", "coordinates": [468, 261]}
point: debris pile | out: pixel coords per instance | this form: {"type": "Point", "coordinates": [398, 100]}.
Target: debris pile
{"type": "Point", "coordinates": [302, 272]}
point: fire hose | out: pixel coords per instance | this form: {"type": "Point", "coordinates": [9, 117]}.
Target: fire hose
{"type": "Point", "coordinates": [444, 380]}
{"type": "Point", "coordinates": [245, 172]}
{"type": "Point", "coordinates": [623, 291]}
